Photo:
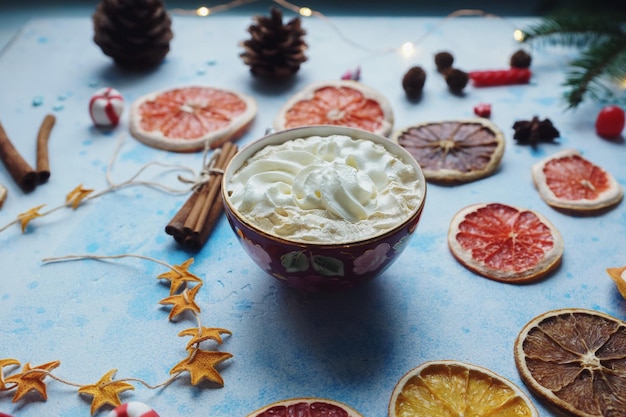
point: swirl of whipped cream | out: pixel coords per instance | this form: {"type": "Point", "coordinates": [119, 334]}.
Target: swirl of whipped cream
{"type": "Point", "coordinates": [325, 189]}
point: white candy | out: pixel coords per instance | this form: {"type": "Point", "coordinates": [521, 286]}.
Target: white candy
{"type": "Point", "coordinates": [106, 107]}
{"type": "Point", "coordinates": [133, 409]}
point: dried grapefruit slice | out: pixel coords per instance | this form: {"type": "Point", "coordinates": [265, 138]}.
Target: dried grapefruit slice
{"type": "Point", "coordinates": [575, 360]}
{"type": "Point", "coordinates": [568, 181]}
{"type": "Point", "coordinates": [341, 102]}
{"type": "Point", "coordinates": [452, 389]}
{"type": "Point", "coordinates": [456, 150]}
{"type": "Point", "coordinates": [185, 119]}
{"type": "Point", "coordinates": [306, 407]}
{"type": "Point", "coordinates": [505, 243]}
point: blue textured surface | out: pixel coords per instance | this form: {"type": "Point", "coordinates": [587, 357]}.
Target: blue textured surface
{"type": "Point", "coordinates": [94, 316]}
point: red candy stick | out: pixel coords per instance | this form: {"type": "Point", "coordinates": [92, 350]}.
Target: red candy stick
{"type": "Point", "coordinates": [492, 78]}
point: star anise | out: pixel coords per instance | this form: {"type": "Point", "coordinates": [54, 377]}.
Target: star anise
{"type": "Point", "coordinates": [535, 131]}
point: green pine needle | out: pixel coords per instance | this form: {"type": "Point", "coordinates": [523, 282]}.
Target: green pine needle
{"type": "Point", "coordinates": [602, 42]}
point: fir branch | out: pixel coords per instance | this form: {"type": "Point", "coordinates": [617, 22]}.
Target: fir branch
{"type": "Point", "coordinates": [602, 41]}
{"type": "Point", "coordinates": [574, 31]}
{"type": "Point", "coordinates": [603, 61]}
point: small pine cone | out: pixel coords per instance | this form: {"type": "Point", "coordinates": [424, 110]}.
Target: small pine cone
{"type": "Point", "coordinates": [443, 61]}
{"type": "Point", "coordinates": [413, 81]}
{"type": "Point", "coordinates": [135, 33]}
{"type": "Point", "coordinates": [275, 50]}
{"type": "Point", "coordinates": [456, 79]}
{"type": "Point", "coordinates": [520, 59]}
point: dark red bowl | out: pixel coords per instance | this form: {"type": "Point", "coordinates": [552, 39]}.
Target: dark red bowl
{"type": "Point", "coordinates": [321, 267]}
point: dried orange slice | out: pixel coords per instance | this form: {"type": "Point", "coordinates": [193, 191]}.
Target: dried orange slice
{"type": "Point", "coordinates": [568, 181]}
{"type": "Point", "coordinates": [456, 150]}
{"type": "Point", "coordinates": [453, 389]}
{"type": "Point", "coordinates": [575, 360]}
{"type": "Point", "coordinates": [186, 119]}
{"type": "Point", "coordinates": [505, 243]}
{"type": "Point", "coordinates": [618, 275]}
{"type": "Point", "coordinates": [341, 102]}
{"type": "Point", "coordinates": [309, 407]}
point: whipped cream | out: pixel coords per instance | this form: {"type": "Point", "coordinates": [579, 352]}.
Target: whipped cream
{"type": "Point", "coordinates": [332, 189]}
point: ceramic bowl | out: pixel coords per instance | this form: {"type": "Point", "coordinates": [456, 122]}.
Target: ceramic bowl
{"type": "Point", "coordinates": [321, 267]}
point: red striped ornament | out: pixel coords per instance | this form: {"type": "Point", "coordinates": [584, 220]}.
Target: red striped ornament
{"type": "Point", "coordinates": [106, 107]}
{"type": "Point", "coordinates": [133, 409]}
{"type": "Point", "coordinates": [491, 78]}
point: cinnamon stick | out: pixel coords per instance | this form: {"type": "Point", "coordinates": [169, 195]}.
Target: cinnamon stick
{"type": "Point", "coordinates": [43, 163]}
{"type": "Point", "coordinates": [194, 221]}
{"type": "Point", "coordinates": [23, 174]}
{"type": "Point", "coordinates": [175, 226]}
{"type": "Point", "coordinates": [209, 191]}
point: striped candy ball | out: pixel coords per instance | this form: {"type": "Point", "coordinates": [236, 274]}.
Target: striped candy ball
{"type": "Point", "coordinates": [133, 409]}
{"type": "Point", "coordinates": [106, 107]}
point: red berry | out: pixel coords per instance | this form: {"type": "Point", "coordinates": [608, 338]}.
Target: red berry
{"type": "Point", "coordinates": [610, 122]}
{"type": "Point", "coordinates": [482, 110]}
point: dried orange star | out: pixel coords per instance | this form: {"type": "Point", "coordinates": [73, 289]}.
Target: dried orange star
{"type": "Point", "coordinates": [201, 365]}
{"type": "Point", "coordinates": [77, 195]}
{"type": "Point", "coordinates": [105, 391]}
{"type": "Point", "coordinates": [183, 301]}
{"type": "Point", "coordinates": [27, 216]}
{"type": "Point", "coordinates": [179, 275]}
{"type": "Point", "coordinates": [31, 379]}
{"type": "Point", "coordinates": [3, 363]}
{"type": "Point", "coordinates": [204, 333]}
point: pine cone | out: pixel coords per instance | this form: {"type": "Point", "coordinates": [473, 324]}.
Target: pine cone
{"type": "Point", "coordinates": [275, 50]}
{"type": "Point", "coordinates": [135, 33]}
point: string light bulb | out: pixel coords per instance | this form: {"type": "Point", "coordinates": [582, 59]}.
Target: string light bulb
{"type": "Point", "coordinates": [203, 11]}
{"type": "Point", "coordinates": [305, 11]}
{"type": "Point", "coordinates": [407, 49]}
{"type": "Point", "coordinates": [518, 35]}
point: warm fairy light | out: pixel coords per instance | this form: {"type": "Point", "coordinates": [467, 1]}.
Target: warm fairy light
{"type": "Point", "coordinates": [203, 11]}
{"type": "Point", "coordinates": [305, 11]}
{"type": "Point", "coordinates": [407, 49]}
{"type": "Point", "coordinates": [518, 35]}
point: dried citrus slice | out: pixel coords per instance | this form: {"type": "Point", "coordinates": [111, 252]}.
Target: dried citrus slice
{"type": "Point", "coordinates": [309, 407]}
{"type": "Point", "coordinates": [568, 181]}
{"type": "Point", "coordinates": [341, 102]}
{"type": "Point", "coordinates": [575, 360]}
{"type": "Point", "coordinates": [618, 275]}
{"type": "Point", "coordinates": [185, 119]}
{"type": "Point", "coordinates": [456, 150]}
{"type": "Point", "coordinates": [454, 389]}
{"type": "Point", "coordinates": [505, 243]}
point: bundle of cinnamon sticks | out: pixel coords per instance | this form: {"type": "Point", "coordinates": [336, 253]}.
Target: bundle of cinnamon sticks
{"type": "Point", "coordinates": [23, 174]}
{"type": "Point", "coordinates": [194, 221]}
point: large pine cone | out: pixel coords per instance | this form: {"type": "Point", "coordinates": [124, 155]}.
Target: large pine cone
{"type": "Point", "coordinates": [135, 33]}
{"type": "Point", "coordinates": [275, 50]}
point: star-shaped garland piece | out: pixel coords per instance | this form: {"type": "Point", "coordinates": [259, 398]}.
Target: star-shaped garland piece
{"type": "Point", "coordinates": [105, 391]}
{"type": "Point", "coordinates": [201, 365]}
{"type": "Point", "coordinates": [183, 301]}
{"type": "Point", "coordinates": [31, 379]}
{"type": "Point", "coordinates": [29, 215]}
{"type": "Point", "coordinates": [201, 334]}
{"type": "Point", "coordinates": [179, 275]}
{"type": "Point", "coordinates": [76, 196]}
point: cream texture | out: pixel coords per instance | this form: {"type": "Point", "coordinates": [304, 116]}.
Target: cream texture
{"type": "Point", "coordinates": [332, 189]}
